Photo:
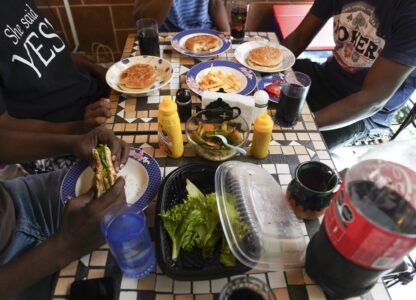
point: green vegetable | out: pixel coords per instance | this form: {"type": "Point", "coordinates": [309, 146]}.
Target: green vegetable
{"type": "Point", "coordinates": [195, 223]}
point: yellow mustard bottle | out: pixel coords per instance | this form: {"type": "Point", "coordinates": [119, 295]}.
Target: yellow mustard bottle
{"type": "Point", "coordinates": [262, 133]}
{"type": "Point", "coordinates": [169, 128]}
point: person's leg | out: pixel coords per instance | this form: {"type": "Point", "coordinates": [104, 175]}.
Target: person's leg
{"type": "Point", "coordinates": [347, 134]}
{"type": "Point", "coordinates": [38, 213]}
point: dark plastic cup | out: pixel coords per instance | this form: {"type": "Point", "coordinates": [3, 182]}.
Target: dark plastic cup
{"type": "Point", "coordinates": [148, 36]}
{"type": "Point", "coordinates": [292, 98]}
{"type": "Point", "coordinates": [127, 234]}
{"type": "Point", "coordinates": [311, 190]}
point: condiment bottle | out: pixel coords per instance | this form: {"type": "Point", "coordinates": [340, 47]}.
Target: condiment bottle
{"type": "Point", "coordinates": [262, 133]}
{"type": "Point", "coordinates": [261, 99]}
{"type": "Point", "coordinates": [184, 102]}
{"type": "Point", "coordinates": [169, 128]}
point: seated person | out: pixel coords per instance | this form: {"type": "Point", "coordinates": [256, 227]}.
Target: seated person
{"type": "Point", "coordinates": [38, 235]}
{"type": "Point", "coordinates": [42, 87]}
{"type": "Point", "coordinates": [178, 15]}
{"type": "Point", "coordinates": [371, 74]}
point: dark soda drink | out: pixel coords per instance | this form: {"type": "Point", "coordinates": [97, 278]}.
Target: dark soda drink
{"type": "Point", "coordinates": [148, 42]}
{"type": "Point", "coordinates": [238, 22]}
{"type": "Point", "coordinates": [245, 294]}
{"type": "Point", "coordinates": [289, 107]}
{"type": "Point", "coordinates": [369, 226]}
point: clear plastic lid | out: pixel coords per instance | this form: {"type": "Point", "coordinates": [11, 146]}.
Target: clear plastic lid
{"type": "Point", "coordinates": [259, 225]}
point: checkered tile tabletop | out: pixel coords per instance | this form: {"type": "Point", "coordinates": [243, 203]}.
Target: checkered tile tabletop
{"type": "Point", "coordinates": [135, 121]}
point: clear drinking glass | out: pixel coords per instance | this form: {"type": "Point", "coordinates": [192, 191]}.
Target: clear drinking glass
{"type": "Point", "coordinates": [238, 16]}
{"type": "Point", "coordinates": [246, 288]}
{"type": "Point", "coordinates": [128, 236]}
{"type": "Point", "coordinates": [148, 36]}
{"type": "Point", "coordinates": [292, 98]}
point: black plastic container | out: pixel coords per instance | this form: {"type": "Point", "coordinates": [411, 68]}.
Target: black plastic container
{"type": "Point", "coordinates": [189, 265]}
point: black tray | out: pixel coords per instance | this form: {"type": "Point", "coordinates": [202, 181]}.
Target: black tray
{"type": "Point", "coordinates": [189, 265]}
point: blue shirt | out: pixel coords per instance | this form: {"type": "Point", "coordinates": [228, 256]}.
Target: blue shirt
{"type": "Point", "coordinates": [185, 14]}
{"type": "Point", "coordinates": [363, 31]}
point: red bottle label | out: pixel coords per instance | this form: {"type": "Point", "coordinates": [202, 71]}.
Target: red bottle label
{"type": "Point", "coordinates": [360, 239]}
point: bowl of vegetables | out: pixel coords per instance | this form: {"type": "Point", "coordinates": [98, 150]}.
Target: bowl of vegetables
{"type": "Point", "coordinates": [202, 128]}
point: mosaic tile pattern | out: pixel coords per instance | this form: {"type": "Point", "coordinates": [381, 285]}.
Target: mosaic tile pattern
{"type": "Point", "coordinates": [135, 121]}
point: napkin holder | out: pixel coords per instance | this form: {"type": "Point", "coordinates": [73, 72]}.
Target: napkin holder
{"type": "Point", "coordinates": [246, 104]}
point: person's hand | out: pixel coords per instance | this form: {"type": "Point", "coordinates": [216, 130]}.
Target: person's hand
{"type": "Point", "coordinates": [97, 113]}
{"type": "Point", "coordinates": [101, 135]}
{"type": "Point", "coordinates": [79, 232]}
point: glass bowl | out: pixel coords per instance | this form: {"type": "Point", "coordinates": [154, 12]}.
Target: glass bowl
{"type": "Point", "coordinates": [201, 127]}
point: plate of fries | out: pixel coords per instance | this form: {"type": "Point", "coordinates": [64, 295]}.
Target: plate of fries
{"type": "Point", "coordinates": [221, 74]}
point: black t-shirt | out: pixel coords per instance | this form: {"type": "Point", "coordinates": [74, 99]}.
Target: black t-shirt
{"type": "Point", "coordinates": [38, 78]}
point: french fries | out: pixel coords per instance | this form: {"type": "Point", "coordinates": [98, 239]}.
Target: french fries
{"type": "Point", "coordinates": [215, 79]}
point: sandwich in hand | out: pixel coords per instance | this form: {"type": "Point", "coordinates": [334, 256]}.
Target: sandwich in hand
{"type": "Point", "coordinates": [105, 173]}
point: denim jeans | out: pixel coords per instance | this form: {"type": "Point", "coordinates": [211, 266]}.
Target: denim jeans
{"type": "Point", "coordinates": [38, 213]}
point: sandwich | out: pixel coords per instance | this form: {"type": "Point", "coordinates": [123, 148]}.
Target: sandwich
{"type": "Point", "coordinates": [202, 43]}
{"type": "Point", "coordinates": [266, 57]}
{"type": "Point", "coordinates": [138, 76]}
{"type": "Point", "coordinates": [105, 173]}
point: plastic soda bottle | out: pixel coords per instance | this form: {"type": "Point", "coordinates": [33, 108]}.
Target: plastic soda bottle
{"type": "Point", "coordinates": [169, 128]}
{"type": "Point", "coordinates": [263, 126]}
{"type": "Point", "coordinates": [370, 224]}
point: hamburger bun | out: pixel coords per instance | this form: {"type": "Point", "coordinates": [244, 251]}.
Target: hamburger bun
{"type": "Point", "coordinates": [265, 57]}
{"type": "Point", "coordinates": [138, 76]}
{"type": "Point", "coordinates": [202, 43]}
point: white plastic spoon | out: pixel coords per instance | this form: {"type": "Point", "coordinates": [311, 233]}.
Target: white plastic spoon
{"type": "Point", "coordinates": [225, 142]}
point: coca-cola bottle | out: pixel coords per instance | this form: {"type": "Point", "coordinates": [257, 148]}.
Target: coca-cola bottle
{"type": "Point", "coordinates": [370, 224]}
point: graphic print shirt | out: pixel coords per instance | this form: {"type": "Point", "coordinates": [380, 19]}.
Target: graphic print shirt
{"type": "Point", "coordinates": [37, 76]}
{"type": "Point", "coordinates": [363, 31]}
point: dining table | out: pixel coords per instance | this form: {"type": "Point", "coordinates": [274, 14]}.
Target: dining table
{"type": "Point", "coordinates": [134, 119]}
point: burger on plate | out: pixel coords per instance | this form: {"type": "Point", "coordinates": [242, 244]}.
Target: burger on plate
{"type": "Point", "coordinates": [265, 56]}
{"type": "Point", "coordinates": [138, 76]}
{"type": "Point", "coordinates": [105, 173]}
{"type": "Point", "coordinates": [202, 43]}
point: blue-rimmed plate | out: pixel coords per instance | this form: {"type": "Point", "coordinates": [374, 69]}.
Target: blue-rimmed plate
{"type": "Point", "coordinates": [178, 42]}
{"type": "Point", "coordinates": [141, 173]}
{"type": "Point", "coordinates": [245, 76]}
{"type": "Point", "coordinates": [163, 68]}
{"type": "Point", "coordinates": [264, 82]}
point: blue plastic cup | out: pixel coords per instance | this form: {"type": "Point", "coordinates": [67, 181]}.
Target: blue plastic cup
{"type": "Point", "coordinates": [127, 235]}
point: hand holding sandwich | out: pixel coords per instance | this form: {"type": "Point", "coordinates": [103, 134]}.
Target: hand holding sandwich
{"type": "Point", "coordinates": [84, 145]}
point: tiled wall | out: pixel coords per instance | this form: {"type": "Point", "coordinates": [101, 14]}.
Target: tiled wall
{"type": "Point", "coordinates": [104, 21]}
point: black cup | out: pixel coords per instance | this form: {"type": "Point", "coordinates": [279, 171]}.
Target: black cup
{"type": "Point", "coordinates": [311, 190]}
{"type": "Point", "coordinates": [148, 36]}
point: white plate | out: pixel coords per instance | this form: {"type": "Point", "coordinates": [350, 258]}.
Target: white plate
{"type": "Point", "coordinates": [164, 72]}
{"type": "Point", "coordinates": [178, 42]}
{"type": "Point", "coordinates": [241, 54]}
{"type": "Point", "coordinates": [245, 76]}
{"type": "Point", "coordinates": [141, 174]}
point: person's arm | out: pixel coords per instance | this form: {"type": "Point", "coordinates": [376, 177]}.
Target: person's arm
{"type": "Point", "coordinates": [77, 235]}
{"type": "Point", "coordinates": [218, 15]}
{"type": "Point", "coordinates": [95, 114]}
{"type": "Point", "coordinates": [300, 38]}
{"type": "Point", "coordinates": [156, 9]}
{"type": "Point", "coordinates": [83, 63]}
{"type": "Point", "coordinates": [381, 82]}
{"type": "Point", "coordinates": [14, 145]}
